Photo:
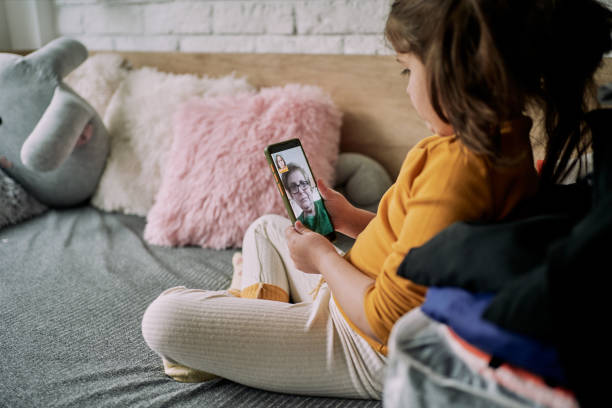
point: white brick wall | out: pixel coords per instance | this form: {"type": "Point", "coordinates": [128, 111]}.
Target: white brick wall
{"type": "Point", "coordinates": [286, 26]}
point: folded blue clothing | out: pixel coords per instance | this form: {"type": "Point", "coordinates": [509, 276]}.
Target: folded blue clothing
{"type": "Point", "coordinates": [462, 311]}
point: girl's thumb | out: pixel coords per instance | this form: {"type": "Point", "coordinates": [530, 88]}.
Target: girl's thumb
{"type": "Point", "coordinates": [323, 189]}
{"type": "Point", "coordinates": [299, 227]}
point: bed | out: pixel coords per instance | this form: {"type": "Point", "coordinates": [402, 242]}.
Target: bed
{"type": "Point", "coordinates": [75, 282]}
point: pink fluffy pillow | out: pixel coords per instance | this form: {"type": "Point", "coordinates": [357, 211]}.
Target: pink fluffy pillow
{"type": "Point", "coordinates": [217, 181]}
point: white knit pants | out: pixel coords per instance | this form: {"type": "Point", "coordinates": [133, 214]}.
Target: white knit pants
{"type": "Point", "coordinates": [302, 348]}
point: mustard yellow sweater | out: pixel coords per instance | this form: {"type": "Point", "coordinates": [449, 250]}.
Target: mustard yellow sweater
{"type": "Point", "coordinates": [440, 182]}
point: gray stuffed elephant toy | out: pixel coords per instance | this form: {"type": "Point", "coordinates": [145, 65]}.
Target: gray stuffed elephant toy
{"type": "Point", "coordinates": [52, 142]}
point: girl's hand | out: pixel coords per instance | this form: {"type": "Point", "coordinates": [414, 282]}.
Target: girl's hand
{"type": "Point", "coordinates": [337, 205]}
{"type": "Point", "coordinates": [346, 218]}
{"type": "Point", "coordinates": [307, 248]}
{"type": "Point", "coordinates": [313, 253]}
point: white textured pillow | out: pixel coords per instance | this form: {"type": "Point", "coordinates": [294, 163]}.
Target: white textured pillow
{"type": "Point", "coordinates": [139, 120]}
{"type": "Point", "coordinates": [97, 79]}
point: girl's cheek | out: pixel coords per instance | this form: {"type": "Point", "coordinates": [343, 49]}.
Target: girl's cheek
{"type": "Point", "coordinates": [409, 93]}
{"type": "Point", "coordinates": [410, 87]}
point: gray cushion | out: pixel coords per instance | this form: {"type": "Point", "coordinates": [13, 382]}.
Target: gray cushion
{"type": "Point", "coordinates": [361, 179]}
{"type": "Point", "coordinates": [74, 285]}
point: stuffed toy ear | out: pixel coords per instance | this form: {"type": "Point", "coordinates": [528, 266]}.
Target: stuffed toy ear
{"type": "Point", "coordinates": [59, 56]}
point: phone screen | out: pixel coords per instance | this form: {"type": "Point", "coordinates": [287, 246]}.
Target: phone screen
{"type": "Point", "coordinates": [301, 195]}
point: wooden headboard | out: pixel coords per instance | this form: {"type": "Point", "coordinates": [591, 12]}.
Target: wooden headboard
{"type": "Point", "coordinates": [379, 120]}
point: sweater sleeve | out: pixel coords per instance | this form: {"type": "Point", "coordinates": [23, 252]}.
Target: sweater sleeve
{"type": "Point", "coordinates": [451, 185]}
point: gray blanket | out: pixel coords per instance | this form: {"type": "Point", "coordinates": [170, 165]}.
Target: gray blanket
{"type": "Point", "coordinates": [73, 287]}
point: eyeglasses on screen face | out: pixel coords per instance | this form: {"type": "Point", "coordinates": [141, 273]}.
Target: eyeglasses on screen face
{"type": "Point", "coordinates": [303, 185]}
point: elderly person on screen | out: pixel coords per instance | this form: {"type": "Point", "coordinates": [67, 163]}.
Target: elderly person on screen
{"type": "Point", "coordinates": [301, 189]}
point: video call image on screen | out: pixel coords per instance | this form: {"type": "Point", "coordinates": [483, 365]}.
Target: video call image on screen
{"type": "Point", "coordinates": [299, 183]}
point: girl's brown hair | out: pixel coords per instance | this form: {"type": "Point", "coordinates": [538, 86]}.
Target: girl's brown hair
{"type": "Point", "coordinates": [488, 60]}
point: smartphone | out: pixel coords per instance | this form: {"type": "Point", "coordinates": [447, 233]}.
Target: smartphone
{"type": "Point", "coordinates": [298, 188]}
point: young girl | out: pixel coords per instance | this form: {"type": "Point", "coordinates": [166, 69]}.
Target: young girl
{"type": "Point", "coordinates": [473, 67]}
